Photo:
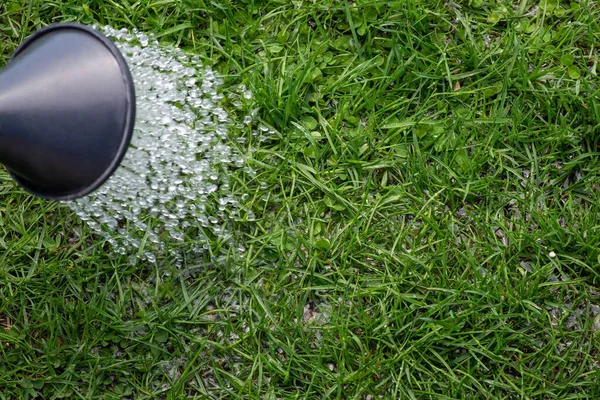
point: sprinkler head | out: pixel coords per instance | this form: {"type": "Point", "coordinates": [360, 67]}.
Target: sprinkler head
{"type": "Point", "coordinates": [67, 111]}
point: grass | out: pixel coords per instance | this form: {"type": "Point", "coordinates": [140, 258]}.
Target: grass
{"type": "Point", "coordinates": [427, 220]}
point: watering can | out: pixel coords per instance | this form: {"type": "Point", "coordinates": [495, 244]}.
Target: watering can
{"type": "Point", "coordinates": [67, 111]}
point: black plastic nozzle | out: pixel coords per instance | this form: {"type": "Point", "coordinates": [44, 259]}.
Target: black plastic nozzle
{"type": "Point", "coordinates": [67, 111]}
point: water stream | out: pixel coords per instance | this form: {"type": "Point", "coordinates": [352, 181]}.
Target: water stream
{"type": "Point", "coordinates": [172, 187]}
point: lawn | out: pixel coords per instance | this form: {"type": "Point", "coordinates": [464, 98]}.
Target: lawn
{"type": "Point", "coordinates": [425, 224]}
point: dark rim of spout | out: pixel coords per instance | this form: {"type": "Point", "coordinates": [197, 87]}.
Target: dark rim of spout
{"type": "Point", "coordinates": [127, 127]}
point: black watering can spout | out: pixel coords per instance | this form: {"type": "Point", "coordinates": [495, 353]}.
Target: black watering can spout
{"type": "Point", "coordinates": [67, 110]}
